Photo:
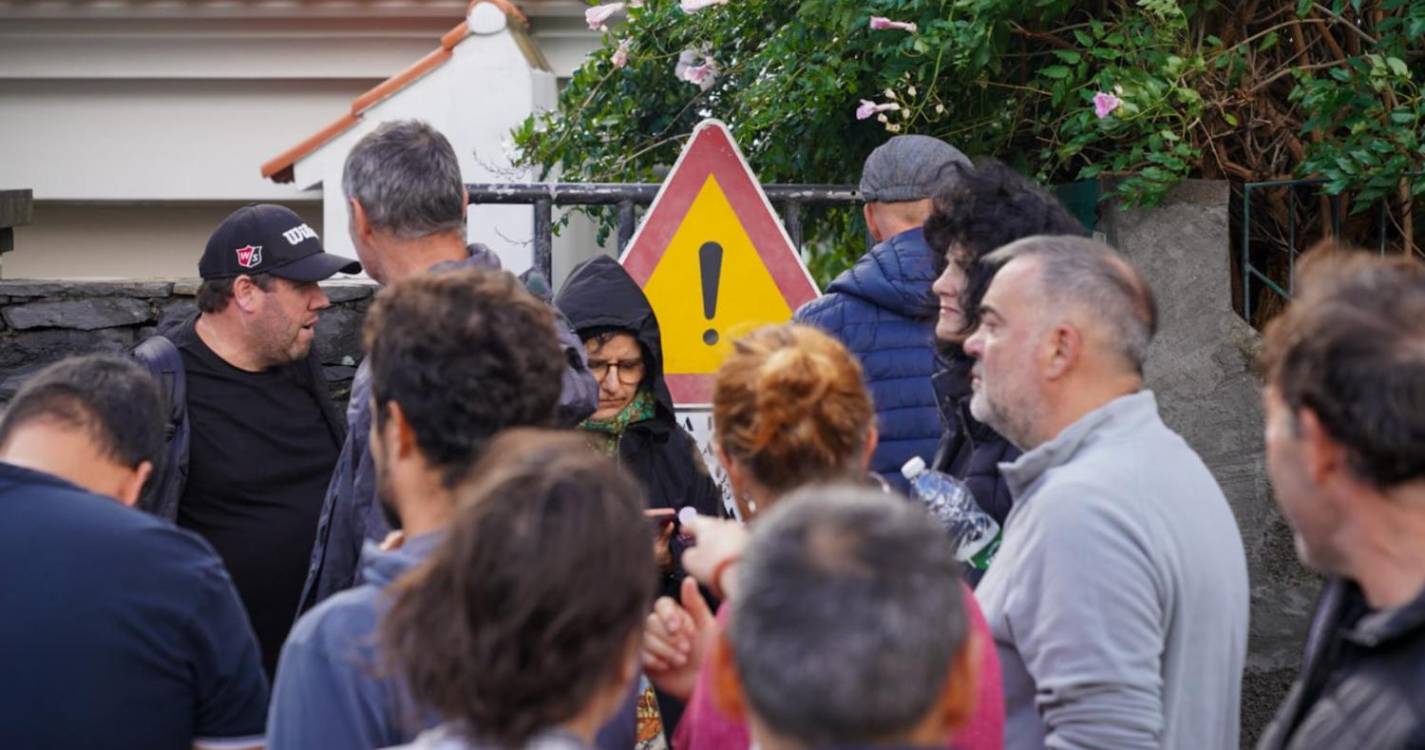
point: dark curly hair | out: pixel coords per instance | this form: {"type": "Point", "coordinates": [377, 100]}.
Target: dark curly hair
{"type": "Point", "coordinates": [981, 209]}
{"type": "Point", "coordinates": [1351, 348]}
{"type": "Point", "coordinates": [466, 354]}
{"type": "Point", "coordinates": [536, 595]}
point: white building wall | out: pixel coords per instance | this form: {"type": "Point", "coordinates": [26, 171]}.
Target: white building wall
{"type": "Point", "coordinates": [139, 125]}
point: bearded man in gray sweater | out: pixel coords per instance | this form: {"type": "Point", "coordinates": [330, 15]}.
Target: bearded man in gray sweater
{"type": "Point", "coordinates": [1118, 600]}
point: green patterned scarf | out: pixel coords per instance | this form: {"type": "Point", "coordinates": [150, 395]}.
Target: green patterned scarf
{"type": "Point", "coordinates": [606, 432]}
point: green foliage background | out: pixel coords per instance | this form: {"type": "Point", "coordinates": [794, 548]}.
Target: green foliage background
{"type": "Point", "coordinates": [1249, 90]}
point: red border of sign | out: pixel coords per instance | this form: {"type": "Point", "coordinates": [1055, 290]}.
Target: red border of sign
{"type": "Point", "coordinates": [711, 150]}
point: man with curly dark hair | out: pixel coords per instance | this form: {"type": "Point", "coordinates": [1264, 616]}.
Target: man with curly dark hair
{"type": "Point", "coordinates": [980, 210]}
{"type": "Point", "coordinates": [455, 357]}
{"type": "Point", "coordinates": [562, 526]}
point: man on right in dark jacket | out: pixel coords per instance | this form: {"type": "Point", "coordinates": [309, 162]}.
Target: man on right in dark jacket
{"type": "Point", "coordinates": [1345, 436]}
{"type": "Point", "coordinates": [882, 307]}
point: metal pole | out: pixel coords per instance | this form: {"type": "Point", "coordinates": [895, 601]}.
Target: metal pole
{"type": "Point", "coordinates": [1291, 242]}
{"type": "Point", "coordinates": [625, 224]}
{"type": "Point", "coordinates": [1247, 253]}
{"type": "Point", "coordinates": [543, 229]}
{"type": "Point", "coordinates": [792, 217]}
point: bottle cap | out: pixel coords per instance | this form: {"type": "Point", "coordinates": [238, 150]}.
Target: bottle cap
{"type": "Point", "coordinates": [687, 514]}
{"type": "Point", "coordinates": [913, 467]}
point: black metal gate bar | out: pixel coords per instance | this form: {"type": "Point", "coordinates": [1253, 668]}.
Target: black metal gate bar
{"type": "Point", "coordinates": [544, 196]}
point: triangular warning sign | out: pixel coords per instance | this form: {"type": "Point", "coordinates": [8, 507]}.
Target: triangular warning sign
{"type": "Point", "coordinates": [714, 261]}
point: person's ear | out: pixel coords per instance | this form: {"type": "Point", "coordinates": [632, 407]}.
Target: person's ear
{"type": "Point", "coordinates": [726, 682]}
{"type": "Point", "coordinates": [873, 438]}
{"type": "Point", "coordinates": [132, 488]}
{"type": "Point", "coordinates": [1064, 346]}
{"type": "Point", "coordinates": [736, 481]}
{"type": "Point", "coordinates": [360, 222]}
{"type": "Point", "coordinates": [246, 293]}
{"type": "Point", "coordinates": [868, 210]}
{"type": "Point", "coordinates": [1322, 456]}
{"type": "Point", "coordinates": [464, 203]}
{"type": "Point", "coordinates": [401, 430]}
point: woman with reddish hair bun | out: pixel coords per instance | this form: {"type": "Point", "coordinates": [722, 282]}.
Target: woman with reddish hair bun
{"type": "Point", "coordinates": [790, 409]}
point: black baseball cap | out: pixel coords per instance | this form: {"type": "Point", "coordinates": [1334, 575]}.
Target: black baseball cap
{"type": "Point", "coordinates": [269, 239]}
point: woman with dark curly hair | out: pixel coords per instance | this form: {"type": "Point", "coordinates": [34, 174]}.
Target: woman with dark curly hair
{"type": "Point", "coordinates": [982, 209]}
{"type": "Point", "coordinates": [523, 629]}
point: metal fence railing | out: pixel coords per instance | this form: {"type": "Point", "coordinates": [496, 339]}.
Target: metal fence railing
{"type": "Point", "coordinates": [1257, 244]}
{"type": "Point", "coordinates": [787, 199]}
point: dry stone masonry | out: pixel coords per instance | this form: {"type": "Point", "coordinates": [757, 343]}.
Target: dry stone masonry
{"type": "Point", "coordinates": [45, 321]}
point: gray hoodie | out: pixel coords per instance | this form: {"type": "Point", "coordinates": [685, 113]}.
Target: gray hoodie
{"type": "Point", "coordinates": [330, 691]}
{"type": "Point", "coordinates": [1118, 601]}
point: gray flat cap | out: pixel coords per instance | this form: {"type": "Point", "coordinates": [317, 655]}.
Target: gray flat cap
{"type": "Point", "coordinates": [908, 168]}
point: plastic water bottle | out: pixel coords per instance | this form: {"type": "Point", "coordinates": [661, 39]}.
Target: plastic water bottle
{"type": "Point", "coordinates": [974, 533]}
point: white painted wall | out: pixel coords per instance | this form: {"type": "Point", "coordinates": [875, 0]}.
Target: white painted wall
{"type": "Point", "coordinates": [139, 125]}
{"type": "Point", "coordinates": [135, 241]}
{"type": "Point", "coordinates": [475, 99]}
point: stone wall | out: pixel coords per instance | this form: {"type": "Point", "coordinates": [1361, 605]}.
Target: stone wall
{"type": "Point", "coordinates": [44, 321]}
{"type": "Point", "coordinates": [1200, 367]}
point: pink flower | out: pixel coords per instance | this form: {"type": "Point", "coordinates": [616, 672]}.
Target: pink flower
{"type": "Point", "coordinates": [1104, 104]}
{"type": "Point", "coordinates": [869, 108]}
{"type": "Point", "coordinates": [693, 6]}
{"type": "Point", "coordinates": [879, 23]}
{"type": "Point", "coordinates": [597, 17]}
{"type": "Point", "coordinates": [700, 73]}
{"type": "Point", "coordinates": [620, 57]}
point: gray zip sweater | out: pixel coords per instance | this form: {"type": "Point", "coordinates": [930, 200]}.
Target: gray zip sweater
{"type": "Point", "coordinates": [1118, 601]}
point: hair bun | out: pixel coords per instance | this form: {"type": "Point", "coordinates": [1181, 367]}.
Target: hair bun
{"type": "Point", "coordinates": [790, 385]}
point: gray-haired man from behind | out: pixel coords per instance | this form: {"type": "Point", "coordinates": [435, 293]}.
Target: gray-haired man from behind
{"type": "Point", "coordinates": [848, 629]}
{"type": "Point", "coordinates": [407, 217]}
{"type": "Point", "coordinates": [1119, 599]}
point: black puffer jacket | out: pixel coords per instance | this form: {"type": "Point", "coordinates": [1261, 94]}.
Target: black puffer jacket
{"type": "Point", "coordinates": [598, 294]}
{"type": "Point", "coordinates": [970, 450]}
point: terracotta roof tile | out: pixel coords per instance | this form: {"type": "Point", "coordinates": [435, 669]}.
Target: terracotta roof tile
{"type": "Point", "coordinates": [399, 81]}
{"type": "Point", "coordinates": [284, 161]}
{"type": "Point", "coordinates": [280, 168]}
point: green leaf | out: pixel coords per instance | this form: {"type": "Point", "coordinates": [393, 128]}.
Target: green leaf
{"type": "Point", "coordinates": [1303, 7]}
{"type": "Point", "coordinates": [1230, 118]}
{"type": "Point", "coordinates": [1054, 71]}
{"type": "Point", "coordinates": [1398, 66]}
{"type": "Point", "coordinates": [1071, 57]}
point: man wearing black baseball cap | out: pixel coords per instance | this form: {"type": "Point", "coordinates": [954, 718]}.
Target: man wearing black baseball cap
{"type": "Point", "coordinates": [253, 432]}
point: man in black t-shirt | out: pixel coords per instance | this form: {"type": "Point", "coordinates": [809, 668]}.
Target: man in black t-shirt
{"type": "Point", "coordinates": [263, 433]}
{"type": "Point", "coordinates": [116, 629]}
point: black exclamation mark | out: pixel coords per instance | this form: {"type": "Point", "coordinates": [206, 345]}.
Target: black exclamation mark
{"type": "Point", "coordinates": [710, 260]}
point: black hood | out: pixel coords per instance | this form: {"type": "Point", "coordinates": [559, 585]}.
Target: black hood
{"type": "Point", "coordinates": [599, 293]}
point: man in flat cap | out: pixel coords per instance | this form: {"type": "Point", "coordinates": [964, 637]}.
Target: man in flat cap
{"type": "Point", "coordinates": [882, 308]}
{"type": "Point", "coordinates": [253, 434]}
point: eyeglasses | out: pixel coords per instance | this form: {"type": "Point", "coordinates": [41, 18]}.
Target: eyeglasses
{"type": "Point", "coordinates": [630, 371]}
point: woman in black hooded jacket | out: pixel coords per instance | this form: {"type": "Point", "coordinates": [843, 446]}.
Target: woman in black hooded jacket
{"type": "Point", "coordinates": [978, 211]}
{"type": "Point", "coordinates": [635, 421]}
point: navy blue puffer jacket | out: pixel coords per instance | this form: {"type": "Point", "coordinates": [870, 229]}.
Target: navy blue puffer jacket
{"type": "Point", "coordinates": [882, 309]}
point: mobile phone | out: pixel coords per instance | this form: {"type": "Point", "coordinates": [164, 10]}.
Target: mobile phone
{"type": "Point", "coordinates": [661, 516]}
